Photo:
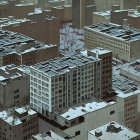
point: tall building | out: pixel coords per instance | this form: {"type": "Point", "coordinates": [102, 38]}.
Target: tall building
{"type": "Point", "coordinates": [18, 123]}
{"type": "Point", "coordinates": [19, 49]}
{"type": "Point", "coordinates": [123, 41]}
{"type": "Point", "coordinates": [14, 8]}
{"type": "Point", "coordinates": [80, 10]}
{"type": "Point", "coordinates": [14, 85]}
{"type": "Point", "coordinates": [106, 57]}
{"type": "Point", "coordinates": [113, 131]}
{"type": "Point", "coordinates": [63, 82]}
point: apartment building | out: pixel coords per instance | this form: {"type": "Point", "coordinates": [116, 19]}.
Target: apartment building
{"type": "Point", "coordinates": [14, 8]}
{"type": "Point", "coordinates": [14, 85]}
{"type": "Point", "coordinates": [113, 131]}
{"type": "Point", "coordinates": [128, 104]}
{"type": "Point", "coordinates": [100, 17]}
{"type": "Point", "coordinates": [121, 40]}
{"type": "Point", "coordinates": [63, 82]}
{"type": "Point", "coordinates": [22, 10]}
{"type": "Point", "coordinates": [118, 16]}
{"type": "Point", "coordinates": [19, 49]}
{"type": "Point", "coordinates": [35, 26]}
{"type": "Point", "coordinates": [131, 71]}
{"type": "Point", "coordinates": [106, 57]}
{"type": "Point", "coordinates": [18, 123]}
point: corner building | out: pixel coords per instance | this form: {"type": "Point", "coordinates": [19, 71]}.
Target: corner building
{"type": "Point", "coordinates": [63, 82]}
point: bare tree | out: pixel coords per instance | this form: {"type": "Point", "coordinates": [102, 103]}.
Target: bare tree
{"type": "Point", "coordinates": [69, 40]}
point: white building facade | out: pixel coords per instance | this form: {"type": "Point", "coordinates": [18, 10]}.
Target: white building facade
{"type": "Point", "coordinates": [63, 82]}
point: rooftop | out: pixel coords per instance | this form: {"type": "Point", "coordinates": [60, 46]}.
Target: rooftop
{"type": "Point", "coordinates": [11, 118]}
{"type": "Point", "coordinates": [63, 65]}
{"type": "Point", "coordinates": [52, 135]}
{"type": "Point", "coordinates": [113, 131]}
{"type": "Point", "coordinates": [83, 109]}
{"type": "Point", "coordinates": [102, 13]}
{"type": "Point", "coordinates": [10, 21]}
{"type": "Point", "coordinates": [16, 43]}
{"type": "Point", "coordinates": [121, 32]}
{"type": "Point", "coordinates": [125, 95]}
{"type": "Point", "coordinates": [121, 83]}
{"type": "Point", "coordinates": [11, 72]}
{"type": "Point", "coordinates": [132, 67]}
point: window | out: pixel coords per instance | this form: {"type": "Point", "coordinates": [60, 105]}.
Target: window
{"type": "Point", "coordinates": [112, 112]}
{"type": "Point", "coordinates": [16, 91]}
{"type": "Point", "coordinates": [77, 133]}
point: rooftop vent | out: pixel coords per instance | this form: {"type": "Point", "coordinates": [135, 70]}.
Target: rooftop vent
{"type": "Point", "coordinates": [98, 133]}
{"type": "Point", "coordinates": [113, 128]}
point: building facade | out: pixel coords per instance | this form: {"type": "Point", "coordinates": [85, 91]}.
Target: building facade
{"type": "Point", "coordinates": [63, 82]}
{"type": "Point", "coordinates": [14, 85]}
{"type": "Point", "coordinates": [19, 49]}
{"type": "Point", "coordinates": [106, 57]}
{"type": "Point", "coordinates": [18, 123]}
{"type": "Point", "coordinates": [121, 40]}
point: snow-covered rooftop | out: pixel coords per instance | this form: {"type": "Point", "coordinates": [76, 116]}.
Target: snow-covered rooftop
{"type": "Point", "coordinates": [84, 109]}
{"type": "Point", "coordinates": [132, 67]}
{"type": "Point", "coordinates": [11, 118]}
{"type": "Point", "coordinates": [10, 72]}
{"type": "Point", "coordinates": [125, 95]}
{"type": "Point", "coordinates": [115, 132]}
{"type": "Point", "coordinates": [117, 31]}
{"type": "Point", "coordinates": [122, 84]}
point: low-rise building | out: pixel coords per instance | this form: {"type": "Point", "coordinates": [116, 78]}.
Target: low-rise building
{"type": "Point", "coordinates": [18, 123]}
{"type": "Point", "coordinates": [112, 131]}
{"type": "Point", "coordinates": [19, 49]}
{"type": "Point", "coordinates": [53, 135]}
{"type": "Point", "coordinates": [78, 119]}
{"type": "Point", "coordinates": [131, 71]}
{"type": "Point", "coordinates": [14, 85]}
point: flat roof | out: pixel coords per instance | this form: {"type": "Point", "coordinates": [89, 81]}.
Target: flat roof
{"type": "Point", "coordinates": [10, 117]}
{"type": "Point", "coordinates": [10, 21]}
{"type": "Point", "coordinates": [12, 42]}
{"type": "Point", "coordinates": [121, 32]}
{"type": "Point", "coordinates": [122, 134]}
{"type": "Point", "coordinates": [11, 72]}
{"type": "Point", "coordinates": [63, 65]}
{"type": "Point", "coordinates": [132, 67]}
{"type": "Point", "coordinates": [84, 109]}
{"type": "Point", "coordinates": [125, 95]}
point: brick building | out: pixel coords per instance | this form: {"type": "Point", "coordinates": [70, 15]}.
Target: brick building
{"type": "Point", "coordinates": [19, 49]}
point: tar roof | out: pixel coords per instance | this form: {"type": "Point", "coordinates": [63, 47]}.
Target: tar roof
{"type": "Point", "coordinates": [118, 31]}
{"type": "Point", "coordinates": [63, 65]}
